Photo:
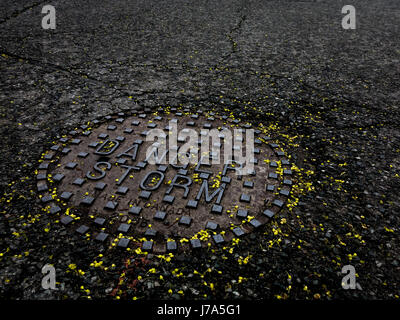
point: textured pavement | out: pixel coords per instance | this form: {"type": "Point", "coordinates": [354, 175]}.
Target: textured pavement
{"type": "Point", "coordinates": [336, 90]}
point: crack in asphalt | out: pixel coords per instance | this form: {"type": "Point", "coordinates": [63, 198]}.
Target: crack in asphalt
{"type": "Point", "coordinates": [61, 68]}
{"type": "Point", "coordinates": [21, 11]}
{"type": "Point", "coordinates": [82, 75]}
{"type": "Point", "coordinates": [236, 27]}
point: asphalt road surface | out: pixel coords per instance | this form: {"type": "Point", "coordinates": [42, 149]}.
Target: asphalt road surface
{"type": "Point", "coordinates": [336, 91]}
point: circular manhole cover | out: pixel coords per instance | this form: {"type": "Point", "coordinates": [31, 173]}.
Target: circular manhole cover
{"type": "Point", "coordinates": [125, 180]}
